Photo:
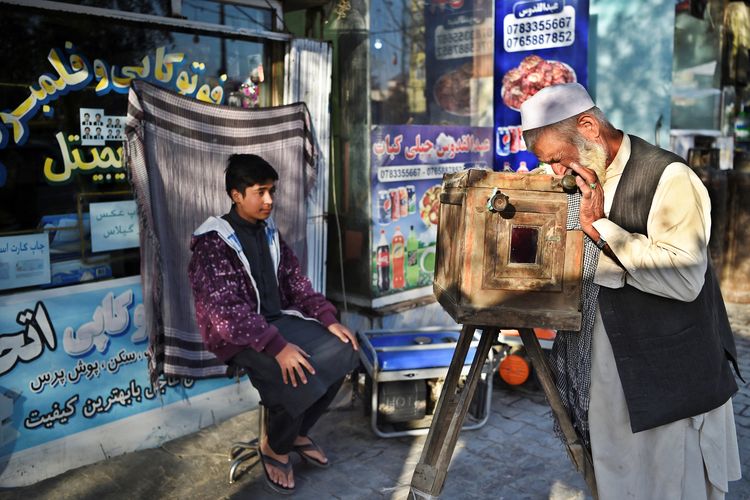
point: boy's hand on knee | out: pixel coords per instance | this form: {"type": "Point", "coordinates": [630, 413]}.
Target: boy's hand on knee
{"type": "Point", "coordinates": [344, 334]}
{"type": "Point", "coordinates": [292, 359]}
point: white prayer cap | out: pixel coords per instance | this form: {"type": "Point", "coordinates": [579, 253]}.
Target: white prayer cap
{"type": "Point", "coordinates": [553, 104]}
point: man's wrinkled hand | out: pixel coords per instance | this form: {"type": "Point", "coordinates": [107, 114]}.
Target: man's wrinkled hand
{"type": "Point", "coordinates": [293, 362]}
{"type": "Point", "coordinates": [592, 197]}
{"type": "Point", "coordinates": [344, 334]}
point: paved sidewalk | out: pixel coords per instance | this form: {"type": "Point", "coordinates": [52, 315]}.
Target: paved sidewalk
{"type": "Point", "coordinates": [514, 456]}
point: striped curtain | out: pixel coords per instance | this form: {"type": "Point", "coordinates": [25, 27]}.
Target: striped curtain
{"type": "Point", "coordinates": [176, 151]}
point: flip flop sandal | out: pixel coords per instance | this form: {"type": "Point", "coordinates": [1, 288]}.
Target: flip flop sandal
{"type": "Point", "coordinates": [311, 446]}
{"type": "Point", "coordinates": [284, 467]}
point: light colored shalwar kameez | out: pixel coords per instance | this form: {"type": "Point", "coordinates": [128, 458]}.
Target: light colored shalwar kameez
{"type": "Point", "coordinates": [693, 458]}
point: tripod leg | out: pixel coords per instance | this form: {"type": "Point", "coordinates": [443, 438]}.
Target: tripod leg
{"type": "Point", "coordinates": [429, 475]}
{"type": "Point", "coordinates": [577, 451]}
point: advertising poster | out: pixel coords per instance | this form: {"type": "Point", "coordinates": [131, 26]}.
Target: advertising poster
{"type": "Point", "coordinates": [537, 44]}
{"type": "Point", "coordinates": [75, 358]}
{"type": "Point", "coordinates": [408, 163]}
{"type": "Point", "coordinates": [114, 225]}
{"type": "Point", "coordinates": [24, 260]}
{"type": "Point", "coordinates": [458, 49]}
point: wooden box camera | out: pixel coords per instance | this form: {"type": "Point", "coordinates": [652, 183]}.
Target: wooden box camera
{"type": "Point", "coordinates": [504, 257]}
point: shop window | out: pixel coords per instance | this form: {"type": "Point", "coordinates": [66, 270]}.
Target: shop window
{"type": "Point", "coordinates": [431, 62]}
{"type": "Point", "coordinates": [431, 101]}
{"type": "Point", "coordinates": [153, 7]}
{"type": "Point", "coordinates": [229, 14]}
{"type": "Point", "coordinates": [67, 212]}
{"type": "Point", "coordinates": [696, 69]}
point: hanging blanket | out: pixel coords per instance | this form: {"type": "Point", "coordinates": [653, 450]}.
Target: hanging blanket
{"type": "Point", "coordinates": [176, 152]}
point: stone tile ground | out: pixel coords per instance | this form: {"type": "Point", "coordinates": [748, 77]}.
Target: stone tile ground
{"type": "Point", "coordinates": [514, 456]}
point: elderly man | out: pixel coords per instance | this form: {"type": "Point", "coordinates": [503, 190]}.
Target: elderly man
{"type": "Point", "coordinates": [647, 380]}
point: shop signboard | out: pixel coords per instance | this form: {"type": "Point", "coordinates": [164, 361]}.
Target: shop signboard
{"type": "Point", "coordinates": [72, 70]}
{"type": "Point", "coordinates": [458, 51]}
{"type": "Point", "coordinates": [75, 358]}
{"type": "Point", "coordinates": [408, 163]}
{"type": "Point", "coordinates": [537, 43]}
{"type": "Point", "coordinates": [73, 350]}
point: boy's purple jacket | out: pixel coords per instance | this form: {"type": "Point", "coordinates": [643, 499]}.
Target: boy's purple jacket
{"type": "Point", "coordinates": [227, 307]}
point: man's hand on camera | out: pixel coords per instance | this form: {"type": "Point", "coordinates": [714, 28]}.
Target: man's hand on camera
{"type": "Point", "coordinates": [592, 198]}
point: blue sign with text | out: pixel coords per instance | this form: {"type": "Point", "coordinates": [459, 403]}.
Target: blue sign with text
{"type": "Point", "coordinates": [76, 358]}
{"type": "Point", "coordinates": [537, 44]}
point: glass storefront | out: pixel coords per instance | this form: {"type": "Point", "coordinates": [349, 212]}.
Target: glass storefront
{"type": "Point", "coordinates": [431, 62]}
{"type": "Point", "coordinates": [442, 91]}
{"type": "Point", "coordinates": [67, 214]}
{"type": "Point", "coordinates": [431, 114]}
{"type": "Point", "coordinates": [73, 314]}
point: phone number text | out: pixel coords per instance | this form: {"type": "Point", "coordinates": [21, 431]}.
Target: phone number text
{"type": "Point", "coordinates": [542, 32]}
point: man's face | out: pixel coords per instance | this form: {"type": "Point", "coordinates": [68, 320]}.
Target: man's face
{"type": "Point", "coordinates": [559, 153]}
{"type": "Point", "coordinates": [556, 152]}
{"type": "Point", "coordinates": [256, 203]}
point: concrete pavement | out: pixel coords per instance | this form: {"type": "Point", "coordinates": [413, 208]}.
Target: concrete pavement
{"type": "Point", "coordinates": [514, 456]}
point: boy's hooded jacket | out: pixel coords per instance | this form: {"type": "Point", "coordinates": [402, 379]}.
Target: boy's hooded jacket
{"type": "Point", "coordinates": [227, 306]}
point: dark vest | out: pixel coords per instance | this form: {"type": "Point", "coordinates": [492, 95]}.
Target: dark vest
{"type": "Point", "coordinates": [671, 355]}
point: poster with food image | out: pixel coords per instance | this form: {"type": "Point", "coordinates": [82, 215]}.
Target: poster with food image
{"type": "Point", "coordinates": [408, 164]}
{"type": "Point", "coordinates": [458, 52]}
{"type": "Point", "coordinates": [537, 44]}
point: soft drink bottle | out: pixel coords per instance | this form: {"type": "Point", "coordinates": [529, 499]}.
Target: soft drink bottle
{"type": "Point", "coordinates": [412, 261]}
{"type": "Point", "coordinates": [397, 257]}
{"type": "Point", "coordinates": [403, 195]}
{"type": "Point", "coordinates": [383, 263]}
{"type": "Point", "coordinates": [502, 141]}
{"type": "Point", "coordinates": [412, 194]}
{"type": "Point", "coordinates": [395, 203]}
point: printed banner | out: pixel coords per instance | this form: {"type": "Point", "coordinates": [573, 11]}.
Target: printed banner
{"type": "Point", "coordinates": [75, 358]}
{"type": "Point", "coordinates": [537, 44]}
{"type": "Point", "coordinates": [408, 164]}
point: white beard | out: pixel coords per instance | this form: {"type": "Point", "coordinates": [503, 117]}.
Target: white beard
{"type": "Point", "coordinates": [592, 155]}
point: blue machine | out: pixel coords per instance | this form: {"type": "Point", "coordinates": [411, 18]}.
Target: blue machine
{"type": "Point", "coordinates": [406, 368]}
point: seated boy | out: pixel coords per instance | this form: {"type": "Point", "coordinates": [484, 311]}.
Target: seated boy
{"type": "Point", "coordinates": [255, 309]}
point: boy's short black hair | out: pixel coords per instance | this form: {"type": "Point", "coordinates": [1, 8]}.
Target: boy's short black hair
{"type": "Point", "coordinates": [245, 170]}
